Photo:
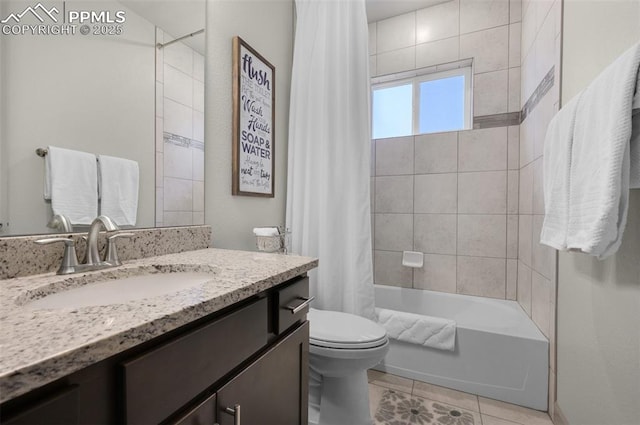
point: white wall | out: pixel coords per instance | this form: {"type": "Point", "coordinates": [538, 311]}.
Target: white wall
{"type": "Point", "coordinates": [268, 28]}
{"type": "Point", "coordinates": [3, 165]}
{"type": "Point", "coordinates": [93, 93]}
{"type": "Point", "coordinates": [599, 301]}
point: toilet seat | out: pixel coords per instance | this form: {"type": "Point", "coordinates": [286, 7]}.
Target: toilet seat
{"type": "Point", "coordinates": [337, 330]}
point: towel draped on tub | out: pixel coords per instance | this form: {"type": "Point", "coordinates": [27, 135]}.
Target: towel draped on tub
{"type": "Point", "coordinates": [433, 332]}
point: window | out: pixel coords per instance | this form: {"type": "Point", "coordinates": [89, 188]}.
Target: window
{"type": "Point", "coordinates": [418, 102]}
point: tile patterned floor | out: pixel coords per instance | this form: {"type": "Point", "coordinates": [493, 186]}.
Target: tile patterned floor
{"type": "Point", "coordinates": [400, 401]}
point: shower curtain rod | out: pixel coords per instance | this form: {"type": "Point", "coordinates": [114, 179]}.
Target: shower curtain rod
{"type": "Point", "coordinates": [160, 45]}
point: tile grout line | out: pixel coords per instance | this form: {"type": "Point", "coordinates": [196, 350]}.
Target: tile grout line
{"type": "Point", "coordinates": [413, 216]}
{"type": "Point", "coordinates": [457, 214]}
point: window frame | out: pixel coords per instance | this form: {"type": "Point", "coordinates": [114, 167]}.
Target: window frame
{"type": "Point", "coordinates": [415, 78]}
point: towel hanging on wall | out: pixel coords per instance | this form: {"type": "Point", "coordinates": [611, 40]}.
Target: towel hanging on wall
{"type": "Point", "coordinates": [599, 155]}
{"type": "Point", "coordinates": [71, 183]}
{"type": "Point", "coordinates": [119, 183]}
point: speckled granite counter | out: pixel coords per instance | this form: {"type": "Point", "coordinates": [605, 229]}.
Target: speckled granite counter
{"type": "Point", "coordinates": [40, 346]}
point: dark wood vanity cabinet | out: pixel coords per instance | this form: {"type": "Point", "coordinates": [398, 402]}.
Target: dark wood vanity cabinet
{"type": "Point", "coordinates": [160, 381]}
{"type": "Point", "coordinates": [246, 365]}
{"type": "Point", "coordinates": [272, 390]}
{"type": "Point", "coordinates": [60, 408]}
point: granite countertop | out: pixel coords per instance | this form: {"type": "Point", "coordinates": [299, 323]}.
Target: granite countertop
{"type": "Point", "coordinates": [40, 346]}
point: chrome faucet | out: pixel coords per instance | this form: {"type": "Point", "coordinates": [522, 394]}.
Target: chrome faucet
{"type": "Point", "coordinates": [92, 256]}
{"type": "Point", "coordinates": [92, 260]}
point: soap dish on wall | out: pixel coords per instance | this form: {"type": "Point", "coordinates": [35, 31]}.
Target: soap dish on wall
{"type": "Point", "coordinates": [412, 259]}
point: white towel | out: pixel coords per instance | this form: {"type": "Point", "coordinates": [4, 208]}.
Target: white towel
{"type": "Point", "coordinates": [634, 178]}
{"type": "Point", "coordinates": [636, 97]}
{"type": "Point", "coordinates": [433, 332]}
{"type": "Point", "coordinates": [119, 181]}
{"type": "Point", "coordinates": [266, 231]}
{"type": "Point", "coordinates": [71, 183]}
{"type": "Point", "coordinates": [556, 165]}
{"type": "Point", "coordinates": [600, 159]}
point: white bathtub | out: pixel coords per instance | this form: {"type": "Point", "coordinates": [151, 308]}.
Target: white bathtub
{"type": "Point", "coordinates": [499, 353]}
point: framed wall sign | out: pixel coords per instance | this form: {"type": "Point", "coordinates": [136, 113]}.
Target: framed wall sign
{"type": "Point", "coordinates": [253, 122]}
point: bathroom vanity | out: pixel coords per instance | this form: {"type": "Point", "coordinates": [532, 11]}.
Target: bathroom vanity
{"type": "Point", "coordinates": [233, 350]}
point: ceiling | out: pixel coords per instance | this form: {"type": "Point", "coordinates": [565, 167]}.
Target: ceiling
{"type": "Point", "coordinates": [381, 9]}
{"type": "Point", "coordinates": [176, 17]}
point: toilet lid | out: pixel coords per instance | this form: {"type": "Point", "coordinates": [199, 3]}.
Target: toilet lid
{"type": "Point", "coordinates": [334, 329]}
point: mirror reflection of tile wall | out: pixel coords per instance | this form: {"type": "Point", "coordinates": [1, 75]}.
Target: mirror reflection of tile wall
{"type": "Point", "coordinates": [179, 134]}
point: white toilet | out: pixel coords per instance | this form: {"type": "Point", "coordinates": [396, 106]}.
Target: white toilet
{"type": "Point", "coordinates": [342, 347]}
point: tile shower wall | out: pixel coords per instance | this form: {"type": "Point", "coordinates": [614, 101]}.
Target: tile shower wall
{"type": "Point", "coordinates": [487, 31]}
{"type": "Point", "coordinates": [536, 293]}
{"type": "Point", "coordinates": [179, 134]}
{"type": "Point", "coordinates": [452, 196]}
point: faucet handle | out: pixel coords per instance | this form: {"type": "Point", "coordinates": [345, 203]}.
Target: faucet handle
{"type": "Point", "coordinates": [69, 258]}
{"type": "Point", "coordinates": [48, 241]}
{"type": "Point", "coordinates": [111, 256]}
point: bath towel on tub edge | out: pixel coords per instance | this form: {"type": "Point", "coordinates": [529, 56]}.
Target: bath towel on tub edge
{"type": "Point", "coordinates": [433, 332]}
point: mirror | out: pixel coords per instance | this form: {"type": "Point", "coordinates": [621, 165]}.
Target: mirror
{"type": "Point", "coordinates": [103, 77]}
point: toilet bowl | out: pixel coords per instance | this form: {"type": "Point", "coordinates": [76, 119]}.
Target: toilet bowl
{"type": "Point", "coordinates": [342, 347]}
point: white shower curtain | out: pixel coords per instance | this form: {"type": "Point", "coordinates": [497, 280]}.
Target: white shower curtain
{"type": "Point", "coordinates": [328, 194]}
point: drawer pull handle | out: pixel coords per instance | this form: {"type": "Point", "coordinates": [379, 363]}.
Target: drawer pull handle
{"type": "Point", "coordinates": [302, 305]}
{"type": "Point", "coordinates": [235, 412]}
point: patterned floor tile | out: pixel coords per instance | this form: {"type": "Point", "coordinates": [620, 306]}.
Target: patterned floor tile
{"type": "Point", "coordinates": [398, 408]}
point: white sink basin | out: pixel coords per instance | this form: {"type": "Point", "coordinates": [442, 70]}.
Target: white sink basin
{"type": "Point", "coordinates": [118, 291]}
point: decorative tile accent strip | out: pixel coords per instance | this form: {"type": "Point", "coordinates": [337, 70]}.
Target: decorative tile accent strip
{"type": "Point", "coordinates": [496, 120]}
{"type": "Point", "coordinates": [20, 256]}
{"type": "Point", "coordinates": [197, 145]}
{"type": "Point", "coordinates": [398, 408]}
{"type": "Point", "coordinates": [182, 141]}
{"type": "Point", "coordinates": [176, 140]}
{"type": "Point", "coordinates": [537, 95]}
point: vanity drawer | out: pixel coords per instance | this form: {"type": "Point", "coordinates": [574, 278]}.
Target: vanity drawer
{"type": "Point", "coordinates": [163, 380]}
{"type": "Point", "coordinates": [292, 304]}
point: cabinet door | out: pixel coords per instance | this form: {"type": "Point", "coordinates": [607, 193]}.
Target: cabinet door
{"type": "Point", "coordinates": [274, 389]}
{"type": "Point", "coordinates": [58, 409]}
{"type": "Point", "coordinates": [203, 414]}
{"type": "Point", "coordinates": [164, 379]}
